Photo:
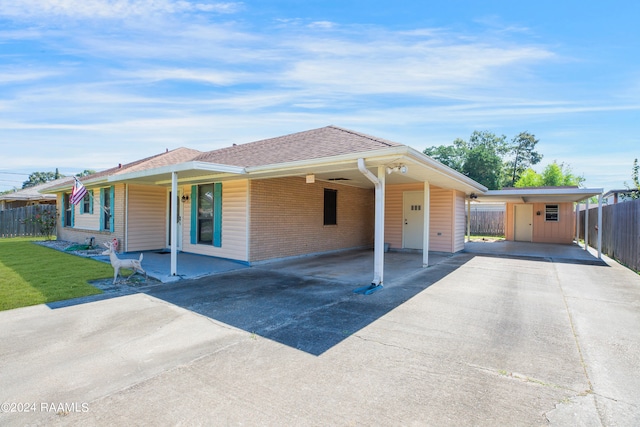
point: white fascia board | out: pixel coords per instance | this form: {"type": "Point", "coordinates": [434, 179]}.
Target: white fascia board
{"type": "Point", "coordinates": [554, 194]}
{"type": "Point", "coordinates": [180, 167]}
{"type": "Point", "coordinates": [586, 192]}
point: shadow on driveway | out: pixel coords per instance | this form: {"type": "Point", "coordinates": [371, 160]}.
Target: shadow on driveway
{"type": "Point", "coordinates": [309, 304]}
{"type": "Point", "coordinates": [307, 313]}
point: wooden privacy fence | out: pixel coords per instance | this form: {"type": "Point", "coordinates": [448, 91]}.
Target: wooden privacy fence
{"type": "Point", "coordinates": [487, 223]}
{"type": "Point", "coordinates": [26, 221]}
{"type": "Point", "coordinates": [620, 232]}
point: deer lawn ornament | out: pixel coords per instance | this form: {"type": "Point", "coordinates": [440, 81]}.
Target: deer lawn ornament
{"type": "Point", "coordinates": [118, 263]}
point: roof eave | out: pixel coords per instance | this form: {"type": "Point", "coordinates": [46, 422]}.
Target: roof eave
{"type": "Point", "coordinates": [446, 170]}
{"type": "Point", "coordinates": [179, 167]}
{"type": "Point", "coordinates": [525, 195]}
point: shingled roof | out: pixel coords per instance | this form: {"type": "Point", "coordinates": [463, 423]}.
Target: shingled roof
{"type": "Point", "coordinates": [328, 141]}
{"type": "Point", "coordinates": [179, 155]}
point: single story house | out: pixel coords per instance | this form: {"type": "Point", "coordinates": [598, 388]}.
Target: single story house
{"type": "Point", "coordinates": [36, 195]}
{"type": "Point", "coordinates": [316, 191]}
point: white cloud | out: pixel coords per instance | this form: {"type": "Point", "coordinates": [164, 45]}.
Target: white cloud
{"type": "Point", "coordinates": [206, 76]}
{"type": "Point", "coordinates": [109, 9]}
{"type": "Point", "coordinates": [15, 76]}
{"type": "Point", "coordinates": [322, 25]}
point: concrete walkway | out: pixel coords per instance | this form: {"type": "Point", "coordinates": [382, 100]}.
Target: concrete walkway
{"type": "Point", "coordinates": [472, 340]}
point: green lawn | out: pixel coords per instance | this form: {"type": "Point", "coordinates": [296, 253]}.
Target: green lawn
{"type": "Point", "coordinates": [490, 238]}
{"type": "Point", "coordinates": [32, 274]}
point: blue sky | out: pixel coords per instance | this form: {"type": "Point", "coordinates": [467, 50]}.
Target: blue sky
{"type": "Point", "coordinates": [88, 84]}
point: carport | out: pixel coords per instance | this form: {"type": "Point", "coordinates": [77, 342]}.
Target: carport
{"type": "Point", "coordinates": [352, 267]}
{"type": "Point", "coordinates": [549, 203]}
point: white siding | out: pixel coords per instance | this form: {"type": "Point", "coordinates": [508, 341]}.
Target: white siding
{"type": "Point", "coordinates": [441, 221]}
{"type": "Point", "coordinates": [87, 221]}
{"type": "Point", "coordinates": [234, 223]}
{"type": "Point", "coordinates": [147, 227]}
{"type": "Point", "coordinates": [393, 214]}
{"type": "Point", "coordinates": [460, 221]}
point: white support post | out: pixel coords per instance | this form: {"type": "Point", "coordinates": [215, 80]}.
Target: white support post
{"type": "Point", "coordinates": [578, 223]}
{"type": "Point", "coordinates": [174, 223]}
{"type": "Point", "coordinates": [469, 219]}
{"type": "Point", "coordinates": [600, 226]}
{"type": "Point", "coordinates": [378, 244]}
{"type": "Point", "coordinates": [378, 274]}
{"type": "Point", "coordinates": [586, 225]}
{"type": "Point", "coordinates": [425, 233]}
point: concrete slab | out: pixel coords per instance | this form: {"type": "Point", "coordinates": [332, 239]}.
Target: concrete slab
{"type": "Point", "coordinates": [157, 264]}
{"type": "Point", "coordinates": [355, 266]}
{"type": "Point", "coordinates": [472, 340]}
{"type": "Point", "coordinates": [554, 252]}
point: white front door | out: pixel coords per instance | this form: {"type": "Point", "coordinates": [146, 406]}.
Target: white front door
{"type": "Point", "coordinates": [413, 226]}
{"type": "Point", "coordinates": [180, 214]}
{"type": "Point", "coordinates": [523, 220]}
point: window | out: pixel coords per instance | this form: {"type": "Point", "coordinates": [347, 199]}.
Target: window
{"type": "Point", "coordinates": [551, 213]}
{"type": "Point", "coordinates": [205, 213]}
{"type": "Point", "coordinates": [106, 206]}
{"type": "Point", "coordinates": [67, 211]}
{"type": "Point", "coordinates": [86, 206]}
{"type": "Point", "coordinates": [330, 206]}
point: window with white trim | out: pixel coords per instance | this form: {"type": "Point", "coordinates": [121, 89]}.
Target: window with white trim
{"type": "Point", "coordinates": [86, 206]}
{"type": "Point", "coordinates": [551, 213]}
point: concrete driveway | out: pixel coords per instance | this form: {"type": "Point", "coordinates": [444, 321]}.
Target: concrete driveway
{"type": "Point", "coordinates": [473, 340]}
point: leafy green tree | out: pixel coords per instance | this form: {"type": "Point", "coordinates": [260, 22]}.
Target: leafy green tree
{"type": "Point", "coordinates": [85, 172]}
{"type": "Point", "coordinates": [529, 178]}
{"type": "Point", "coordinates": [634, 188]}
{"type": "Point", "coordinates": [450, 155]}
{"type": "Point", "coordinates": [40, 178]}
{"type": "Point", "coordinates": [553, 175]}
{"type": "Point", "coordinates": [523, 156]}
{"type": "Point", "coordinates": [483, 162]}
{"type": "Point", "coordinates": [480, 158]}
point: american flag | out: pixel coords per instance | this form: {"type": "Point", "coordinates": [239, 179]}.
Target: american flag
{"type": "Point", "coordinates": [78, 192]}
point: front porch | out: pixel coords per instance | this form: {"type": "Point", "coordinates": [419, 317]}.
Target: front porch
{"type": "Point", "coordinates": [351, 266]}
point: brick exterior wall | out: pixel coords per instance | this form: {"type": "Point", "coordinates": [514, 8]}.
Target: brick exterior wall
{"type": "Point", "coordinates": [287, 218]}
{"type": "Point", "coordinates": [77, 235]}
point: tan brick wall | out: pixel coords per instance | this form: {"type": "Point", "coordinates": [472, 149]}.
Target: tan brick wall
{"type": "Point", "coordinates": [287, 216]}
{"type": "Point", "coordinates": [78, 235]}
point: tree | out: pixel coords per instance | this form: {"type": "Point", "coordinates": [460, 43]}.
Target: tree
{"type": "Point", "coordinates": [85, 172]}
{"type": "Point", "coordinates": [553, 175]}
{"type": "Point", "coordinates": [523, 157]}
{"type": "Point", "coordinates": [529, 178]}
{"type": "Point", "coordinates": [480, 158]}
{"type": "Point", "coordinates": [483, 162]}
{"type": "Point", "coordinates": [40, 178]}
{"type": "Point", "coordinates": [634, 188]}
{"type": "Point", "coordinates": [450, 155]}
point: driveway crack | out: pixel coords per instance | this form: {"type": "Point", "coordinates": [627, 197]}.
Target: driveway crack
{"type": "Point", "coordinates": [578, 347]}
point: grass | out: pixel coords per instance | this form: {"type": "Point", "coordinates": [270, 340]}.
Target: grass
{"type": "Point", "coordinates": [474, 237]}
{"type": "Point", "coordinates": [31, 274]}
